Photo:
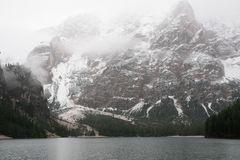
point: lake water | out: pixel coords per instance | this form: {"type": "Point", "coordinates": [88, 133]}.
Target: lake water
{"type": "Point", "coordinates": [165, 148]}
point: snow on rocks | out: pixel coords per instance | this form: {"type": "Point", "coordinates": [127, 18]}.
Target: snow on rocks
{"type": "Point", "coordinates": [64, 80]}
{"type": "Point", "coordinates": [123, 98]}
{"type": "Point", "coordinates": [109, 109]}
{"type": "Point", "coordinates": [137, 107]}
{"type": "Point", "coordinates": [166, 52]}
{"type": "Point", "coordinates": [77, 112]}
{"type": "Point", "coordinates": [177, 106]}
{"type": "Point", "coordinates": [232, 68]}
{"type": "Point", "coordinates": [205, 109]}
{"type": "Point", "coordinates": [188, 99]}
{"type": "Point", "coordinates": [210, 107]}
{"type": "Point", "coordinates": [158, 102]}
{"type": "Point", "coordinates": [148, 110]}
{"type": "Point", "coordinates": [73, 115]}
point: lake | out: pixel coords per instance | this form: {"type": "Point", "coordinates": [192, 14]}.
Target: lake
{"type": "Point", "coordinates": [164, 148]}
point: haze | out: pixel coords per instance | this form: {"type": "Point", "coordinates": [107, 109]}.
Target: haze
{"type": "Point", "coordinates": [20, 19]}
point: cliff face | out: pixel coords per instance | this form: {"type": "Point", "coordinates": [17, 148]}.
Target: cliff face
{"type": "Point", "coordinates": [45, 56]}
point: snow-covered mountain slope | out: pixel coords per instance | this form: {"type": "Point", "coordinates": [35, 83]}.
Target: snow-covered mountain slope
{"type": "Point", "coordinates": [177, 71]}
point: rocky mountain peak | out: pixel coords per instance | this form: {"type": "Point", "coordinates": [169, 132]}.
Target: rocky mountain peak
{"type": "Point", "coordinates": [181, 27]}
{"type": "Point", "coordinates": [184, 8]}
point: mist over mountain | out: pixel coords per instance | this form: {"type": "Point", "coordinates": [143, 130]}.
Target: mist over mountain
{"type": "Point", "coordinates": [173, 71]}
{"type": "Point", "coordinates": [149, 75]}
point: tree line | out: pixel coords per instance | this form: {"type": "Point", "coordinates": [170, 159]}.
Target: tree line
{"type": "Point", "coordinates": [226, 124]}
{"type": "Point", "coordinates": [109, 126]}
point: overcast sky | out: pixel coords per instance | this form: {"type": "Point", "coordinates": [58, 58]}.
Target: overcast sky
{"type": "Point", "coordinates": [20, 17]}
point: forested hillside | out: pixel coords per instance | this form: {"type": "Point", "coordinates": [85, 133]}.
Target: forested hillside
{"type": "Point", "coordinates": [226, 124]}
{"type": "Point", "coordinates": [23, 108]}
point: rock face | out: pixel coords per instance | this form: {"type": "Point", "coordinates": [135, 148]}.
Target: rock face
{"type": "Point", "coordinates": [45, 56]}
{"type": "Point", "coordinates": [178, 71]}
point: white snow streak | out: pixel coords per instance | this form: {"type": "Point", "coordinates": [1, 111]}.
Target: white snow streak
{"type": "Point", "coordinates": [210, 107]}
{"type": "Point", "coordinates": [205, 108]}
{"type": "Point", "coordinates": [177, 106]}
{"type": "Point", "coordinates": [148, 110]}
{"type": "Point", "coordinates": [188, 99]}
{"type": "Point", "coordinates": [158, 102]}
{"type": "Point", "coordinates": [124, 98]}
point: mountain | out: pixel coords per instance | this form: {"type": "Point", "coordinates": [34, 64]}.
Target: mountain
{"type": "Point", "coordinates": [175, 72]}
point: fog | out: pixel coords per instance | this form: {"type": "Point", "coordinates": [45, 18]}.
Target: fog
{"type": "Point", "coordinates": [21, 20]}
{"type": "Point", "coordinates": [16, 43]}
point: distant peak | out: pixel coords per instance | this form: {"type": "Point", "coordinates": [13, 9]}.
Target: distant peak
{"type": "Point", "coordinates": [184, 7]}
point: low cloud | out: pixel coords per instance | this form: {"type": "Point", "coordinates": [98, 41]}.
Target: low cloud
{"type": "Point", "coordinates": [100, 45]}
{"type": "Point", "coordinates": [15, 43]}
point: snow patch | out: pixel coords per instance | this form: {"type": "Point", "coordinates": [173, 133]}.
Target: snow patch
{"type": "Point", "coordinates": [123, 98]}
{"type": "Point", "coordinates": [158, 102]}
{"type": "Point", "coordinates": [150, 86]}
{"type": "Point", "coordinates": [109, 109]}
{"type": "Point", "coordinates": [205, 108]}
{"type": "Point", "coordinates": [232, 68]}
{"type": "Point", "coordinates": [77, 112]}
{"type": "Point", "coordinates": [177, 106]}
{"type": "Point", "coordinates": [148, 110]}
{"type": "Point", "coordinates": [188, 99]}
{"type": "Point", "coordinates": [210, 107]}
{"type": "Point", "coordinates": [73, 115]}
{"type": "Point", "coordinates": [64, 80]}
{"type": "Point", "coordinates": [137, 107]}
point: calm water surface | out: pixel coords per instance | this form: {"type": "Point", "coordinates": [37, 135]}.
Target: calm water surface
{"type": "Point", "coordinates": [179, 148]}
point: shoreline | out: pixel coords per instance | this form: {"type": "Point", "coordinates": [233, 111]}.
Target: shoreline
{"type": "Point", "coordinates": [3, 137]}
{"type": "Point", "coordinates": [176, 136]}
{"type": "Point", "coordinates": [91, 137]}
